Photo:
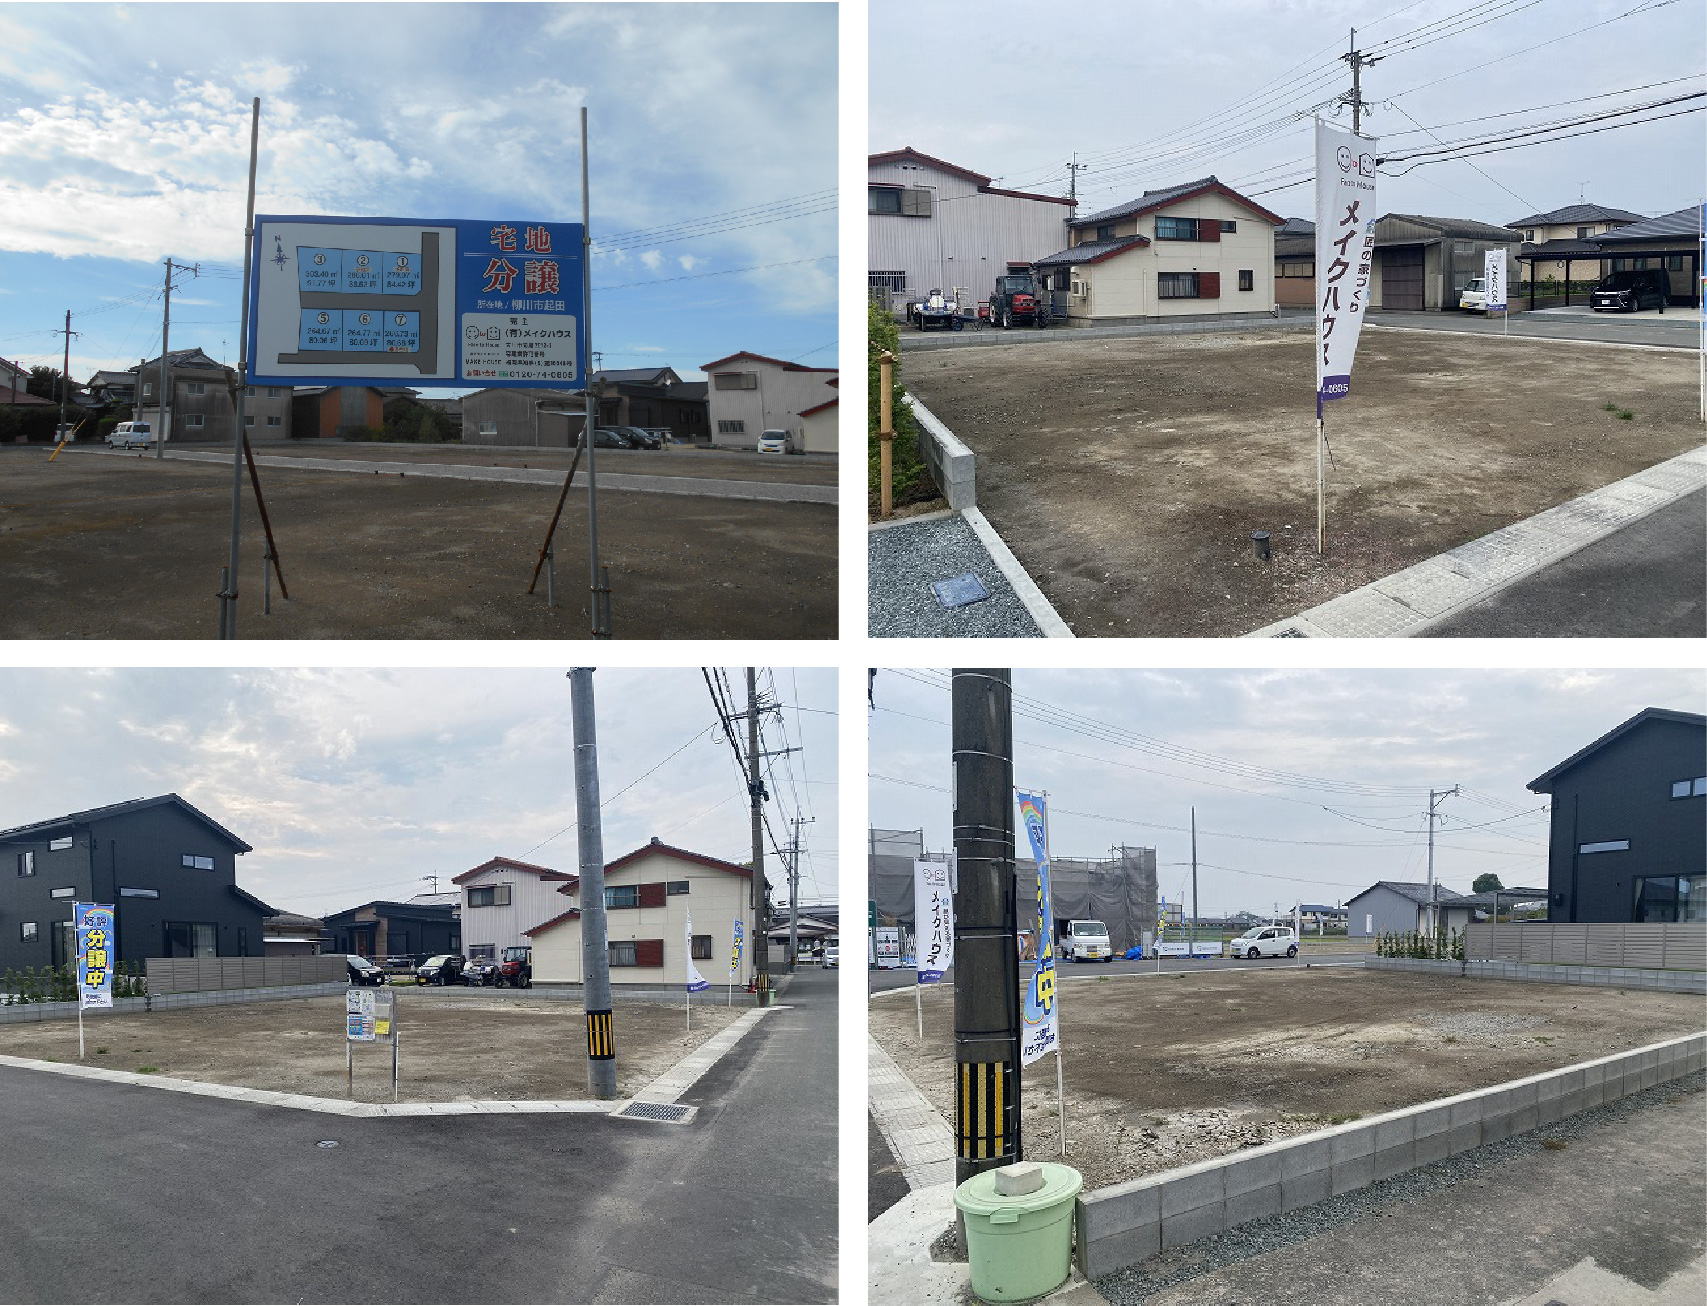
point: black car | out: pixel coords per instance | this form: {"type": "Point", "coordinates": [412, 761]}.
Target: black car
{"type": "Point", "coordinates": [605, 438]}
{"type": "Point", "coordinates": [640, 439]}
{"type": "Point", "coordinates": [363, 971]}
{"type": "Point", "coordinates": [1628, 291]}
{"type": "Point", "coordinates": [442, 968]}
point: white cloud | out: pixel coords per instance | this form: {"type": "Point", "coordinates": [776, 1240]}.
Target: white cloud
{"type": "Point", "coordinates": [652, 259]}
{"type": "Point", "coordinates": [689, 262]}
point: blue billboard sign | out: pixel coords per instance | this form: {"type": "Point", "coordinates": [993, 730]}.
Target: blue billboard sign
{"type": "Point", "coordinates": [406, 301]}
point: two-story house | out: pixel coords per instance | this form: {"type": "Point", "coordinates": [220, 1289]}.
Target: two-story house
{"type": "Point", "coordinates": [1196, 250]}
{"type": "Point", "coordinates": [751, 394]}
{"type": "Point", "coordinates": [502, 899]}
{"type": "Point", "coordinates": [199, 408]}
{"type": "Point", "coordinates": [649, 896]}
{"type": "Point", "coordinates": [1559, 246]}
{"type": "Point", "coordinates": [169, 870]}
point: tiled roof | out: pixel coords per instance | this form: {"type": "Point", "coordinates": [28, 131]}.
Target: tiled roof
{"type": "Point", "coordinates": [1573, 214]}
{"type": "Point", "coordinates": [510, 863]}
{"type": "Point", "coordinates": [1417, 893]}
{"type": "Point", "coordinates": [1685, 223]}
{"type": "Point", "coordinates": [1459, 228]}
{"type": "Point", "coordinates": [1155, 199]}
{"type": "Point", "coordinates": [1092, 251]}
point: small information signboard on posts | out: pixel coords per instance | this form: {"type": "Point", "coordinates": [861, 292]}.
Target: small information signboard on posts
{"type": "Point", "coordinates": [370, 1016]}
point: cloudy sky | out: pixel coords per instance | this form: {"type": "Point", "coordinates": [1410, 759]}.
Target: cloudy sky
{"type": "Point", "coordinates": [124, 139]}
{"type": "Point", "coordinates": [354, 785]}
{"type": "Point", "coordinates": [1154, 95]}
{"type": "Point", "coordinates": [1370, 743]}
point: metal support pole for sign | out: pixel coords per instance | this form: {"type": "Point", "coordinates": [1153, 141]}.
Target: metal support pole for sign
{"type": "Point", "coordinates": [395, 1065]}
{"type": "Point", "coordinates": [267, 582]}
{"type": "Point", "coordinates": [919, 1008]}
{"type": "Point", "coordinates": [349, 1068]}
{"type": "Point", "coordinates": [1060, 1079]}
{"type": "Point", "coordinates": [600, 631]}
{"type": "Point", "coordinates": [224, 607]}
{"type": "Point", "coordinates": [550, 577]}
{"type": "Point", "coordinates": [228, 600]}
{"type": "Point", "coordinates": [1321, 484]}
{"type": "Point", "coordinates": [80, 1017]}
{"type": "Point", "coordinates": [595, 952]}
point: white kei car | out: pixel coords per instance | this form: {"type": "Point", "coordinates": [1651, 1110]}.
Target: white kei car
{"type": "Point", "coordinates": [1266, 941]}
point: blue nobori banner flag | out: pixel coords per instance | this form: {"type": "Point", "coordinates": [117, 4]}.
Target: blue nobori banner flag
{"type": "Point", "coordinates": [696, 981]}
{"type": "Point", "coordinates": [933, 920]}
{"type": "Point", "coordinates": [97, 953]}
{"type": "Point", "coordinates": [1345, 253]}
{"type": "Point", "coordinates": [1040, 1032]}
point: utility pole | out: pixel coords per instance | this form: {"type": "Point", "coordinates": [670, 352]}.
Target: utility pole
{"type": "Point", "coordinates": [595, 951]}
{"type": "Point", "coordinates": [1358, 63]}
{"type": "Point", "coordinates": [1074, 168]}
{"type": "Point", "coordinates": [986, 926]}
{"type": "Point", "coordinates": [1194, 881]}
{"type": "Point", "coordinates": [1433, 911]}
{"type": "Point", "coordinates": [165, 353]}
{"type": "Point", "coordinates": [794, 899]}
{"type": "Point", "coordinates": [64, 375]}
{"type": "Point", "coordinates": [759, 889]}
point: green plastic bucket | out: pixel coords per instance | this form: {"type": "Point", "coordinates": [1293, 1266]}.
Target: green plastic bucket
{"type": "Point", "coordinates": [1020, 1245]}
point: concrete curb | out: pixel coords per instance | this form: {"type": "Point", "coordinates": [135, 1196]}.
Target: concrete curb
{"type": "Point", "coordinates": [941, 514]}
{"type": "Point", "coordinates": [1411, 601]}
{"type": "Point", "coordinates": [1618, 977]}
{"type": "Point", "coordinates": [1526, 335]}
{"type": "Point", "coordinates": [1041, 610]}
{"type": "Point", "coordinates": [1125, 1223]}
{"type": "Point", "coordinates": [952, 463]}
{"type": "Point", "coordinates": [666, 1088]}
{"type": "Point", "coordinates": [919, 1138]}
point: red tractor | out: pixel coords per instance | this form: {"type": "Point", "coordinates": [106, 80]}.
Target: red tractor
{"type": "Point", "coordinates": [515, 968]}
{"type": "Point", "coordinates": [1016, 299]}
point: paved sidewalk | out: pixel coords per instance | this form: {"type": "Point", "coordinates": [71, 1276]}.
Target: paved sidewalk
{"type": "Point", "coordinates": [1411, 601]}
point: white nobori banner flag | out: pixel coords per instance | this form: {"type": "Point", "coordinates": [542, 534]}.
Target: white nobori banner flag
{"type": "Point", "coordinates": [1493, 279]}
{"type": "Point", "coordinates": [933, 920]}
{"type": "Point", "coordinates": [1345, 251]}
{"type": "Point", "coordinates": [696, 981]}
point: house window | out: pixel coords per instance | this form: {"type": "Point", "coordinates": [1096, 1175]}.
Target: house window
{"type": "Point", "coordinates": [1106, 231]}
{"type": "Point", "coordinates": [242, 940]}
{"type": "Point", "coordinates": [701, 947]}
{"type": "Point", "coordinates": [899, 201]}
{"type": "Point", "coordinates": [1176, 228]}
{"type": "Point", "coordinates": [490, 895]}
{"type": "Point", "coordinates": [1529, 235]}
{"type": "Point", "coordinates": [1609, 846]}
{"type": "Point", "coordinates": [147, 388]}
{"type": "Point", "coordinates": [1247, 279]}
{"type": "Point", "coordinates": [883, 199]}
{"type": "Point", "coordinates": [1675, 262]}
{"type": "Point", "coordinates": [488, 428]}
{"type": "Point", "coordinates": [676, 886]}
{"type": "Point", "coordinates": [193, 419]}
{"type": "Point", "coordinates": [735, 380]}
{"type": "Point", "coordinates": [1176, 285]}
{"type": "Point", "coordinates": [28, 931]}
{"type": "Point", "coordinates": [192, 939]}
{"type": "Point", "coordinates": [1689, 788]}
{"type": "Point", "coordinates": [69, 891]}
{"type": "Point", "coordinates": [248, 392]}
{"type": "Point", "coordinates": [1669, 898]}
{"type": "Point", "coordinates": [892, 281]}
{"type": "Point", "coordinates": [1298, 269]}
{"type": "Point", "coordinates": [275, 421]}
{"type": "Point", "coordinates": [1228, 228]}
{"type": "Point", "coordinates": [248, 419]}
{"type": "Point", "coordinates": [59, 845]}
{"type": "Point", "coordinates": [623, 954]}
{"type": "Point", "coordinates": [138, 893]}
{"type": "Point", "coordinates": [196, 861]}
{"type": "Point", "coordinates": [195, 387]}
{"type": "Point", "coordinates": [622, 895]}
{"type": "Point", "coordinates": [274, 391]}
{"type": "Point", "coordinates": [731, 428]}
{"type": "Point", "coordinates": [27, 863]}
{"type": "Point", "coordinates": [1583, 233]}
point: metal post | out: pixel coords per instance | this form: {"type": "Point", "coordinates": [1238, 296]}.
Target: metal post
{"type": "Point", "coordinates": [599, 632]}
{"type": "Point", "coordinates": [229, 626]}
{"type": "Point", "coordinates": [550, 577]}
{"type": "Point", "coordinates": [165, 377]}
{"type": "Point", "coordinates": [758, 889]}
{"type": "Point", "coordinates": [1060, 1076]}
{"type": "Point", "coordinates": [886, 431]}
{"type": "Point", "coordinates": [595, 951]}
{"type": "Point", "coordinates": [395, 1055]}
{"type": "Point", "coordinates": [1321, 483]}
{"type": "Point", "coordinates": [267, 582]}
{"type": "Point", "coordinates": [224, 606]}
{"type": "Point", "coordinates": [986, 926]}
{"type": "Point", "coordinates": [349, 1068]}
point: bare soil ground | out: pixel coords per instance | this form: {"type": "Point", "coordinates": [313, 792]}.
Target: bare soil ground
{"type": "Point", "coordinates": [1128, 474]}
{"type": "Point", "coordinates": [453, 1049]}
{"type": "Point", "coordinates": [1166, 1072]}
{"type": "Point", "coordinates": [131, 548]}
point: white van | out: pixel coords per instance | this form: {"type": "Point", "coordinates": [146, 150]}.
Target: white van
{"type": "Point", "coordinates": [1085, 941]}
{"type": "Point", "coordinates": [127, 435]}
{"type": "Point", "coordinates": [1266, 941]}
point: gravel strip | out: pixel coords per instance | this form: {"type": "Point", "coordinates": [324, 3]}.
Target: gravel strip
{"type": "Point", "coordinates": [1138, 1283]}
{"type": "Point", "coordinates": [905, 560]}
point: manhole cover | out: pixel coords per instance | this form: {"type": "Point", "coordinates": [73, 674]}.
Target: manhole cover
{"type": "Point", "coordinates": [326, 1142]}
{"type": "Point", "coordinates": [958, 591]}
{"type": "Point", "coordinates": [668, 1113]}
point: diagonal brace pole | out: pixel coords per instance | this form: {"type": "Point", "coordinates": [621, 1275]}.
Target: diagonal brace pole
{"type": "Point", "coordinates": [551, 530]}
{"type": "Point", "coordinates": [266, 524]}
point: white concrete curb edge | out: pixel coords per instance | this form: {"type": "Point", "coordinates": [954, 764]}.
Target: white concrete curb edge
{"type": "Point", "coordinates": [1042, 611]}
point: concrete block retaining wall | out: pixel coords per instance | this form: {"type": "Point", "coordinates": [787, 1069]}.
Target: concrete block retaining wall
{"type": "Point", "coordinates": [32, 1012]}
{"type": "Point", "coordinates": [1126, 1223]}
{"type": "Point", "coordinates": [1619, 977]}
{"type": "Point", "coordinates": [952, 464]}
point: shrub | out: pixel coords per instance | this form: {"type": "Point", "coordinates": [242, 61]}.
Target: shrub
{"type": "Point", "coordinates": [910, 478]}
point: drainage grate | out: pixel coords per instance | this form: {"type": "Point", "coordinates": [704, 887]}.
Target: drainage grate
{"type": "Point", "coordinates": [668, 1113]}
{"type": "Point", "coordinates": [1291, 632]}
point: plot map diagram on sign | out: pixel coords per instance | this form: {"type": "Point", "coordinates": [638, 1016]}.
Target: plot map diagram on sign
{"type": "Point", "coordinates": [387, 301]}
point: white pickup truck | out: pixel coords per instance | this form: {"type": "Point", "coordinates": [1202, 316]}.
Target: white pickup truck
{"type": "Point", "coordinates": [1084, 941]}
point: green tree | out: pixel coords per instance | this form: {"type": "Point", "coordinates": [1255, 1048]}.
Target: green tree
{"type": "Point", "coordinates": [44, 382]}
{"type": "Point", "coordinates": [1486, 883]}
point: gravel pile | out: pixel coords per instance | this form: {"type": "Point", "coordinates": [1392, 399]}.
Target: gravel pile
{"type": "Point", "coordinates": [1138, 1283]}
{"type": "Point", "coordinates": [1478, 1024]}
{"type": "Point", "coordinates": [905, 560]}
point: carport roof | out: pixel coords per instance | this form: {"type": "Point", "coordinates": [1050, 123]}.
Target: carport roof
{"type": "Point", "coordinates": [1561, 249]}
{"type": "Point", "coordinates": [1668, 226]}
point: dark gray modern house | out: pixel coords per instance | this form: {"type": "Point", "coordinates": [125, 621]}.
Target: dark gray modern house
{"type": "Point", "coordinates": [377, 930]}
{"type": "Point", "coordinates": [169, 870]}
{"type": "Point", "coordinates": [1629, 836]}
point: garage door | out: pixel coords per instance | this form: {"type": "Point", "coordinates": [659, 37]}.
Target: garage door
{"type": "Point", "coordinates": [1402, 277]}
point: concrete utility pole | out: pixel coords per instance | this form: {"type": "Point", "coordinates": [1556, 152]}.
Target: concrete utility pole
{"type": "Point", "coordinates": [1433, 910]}
{"type": "Point", "coordinates": [1358, 63]}
{"type": "Point", "coordinates": [759, 889]}
{"type": "Point", "coordinates": [986, 926]}
{"type": "Point", "coordinates": [165, 353]}
{"type": "Point", "coordinates": [64, 375]}
{"type": "Point", "coordinates": [1074, 168]}
{"type": "Point", "coordinates": [1194, 881]}
{"type": "Point", "coordinates": [794, 899]}
{"type": "Point", "coordinates": [595, 951]}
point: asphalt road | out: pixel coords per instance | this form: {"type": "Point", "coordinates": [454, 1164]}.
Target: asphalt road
{"type": "Point", "coordinates": [1649, 579]}
{"type": "Point", "coordinates": [139, 1195]}
{"type": "Point", "coordinates": [1676, 328]}
{"type": "Point", "coordinates": [881, 981]}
